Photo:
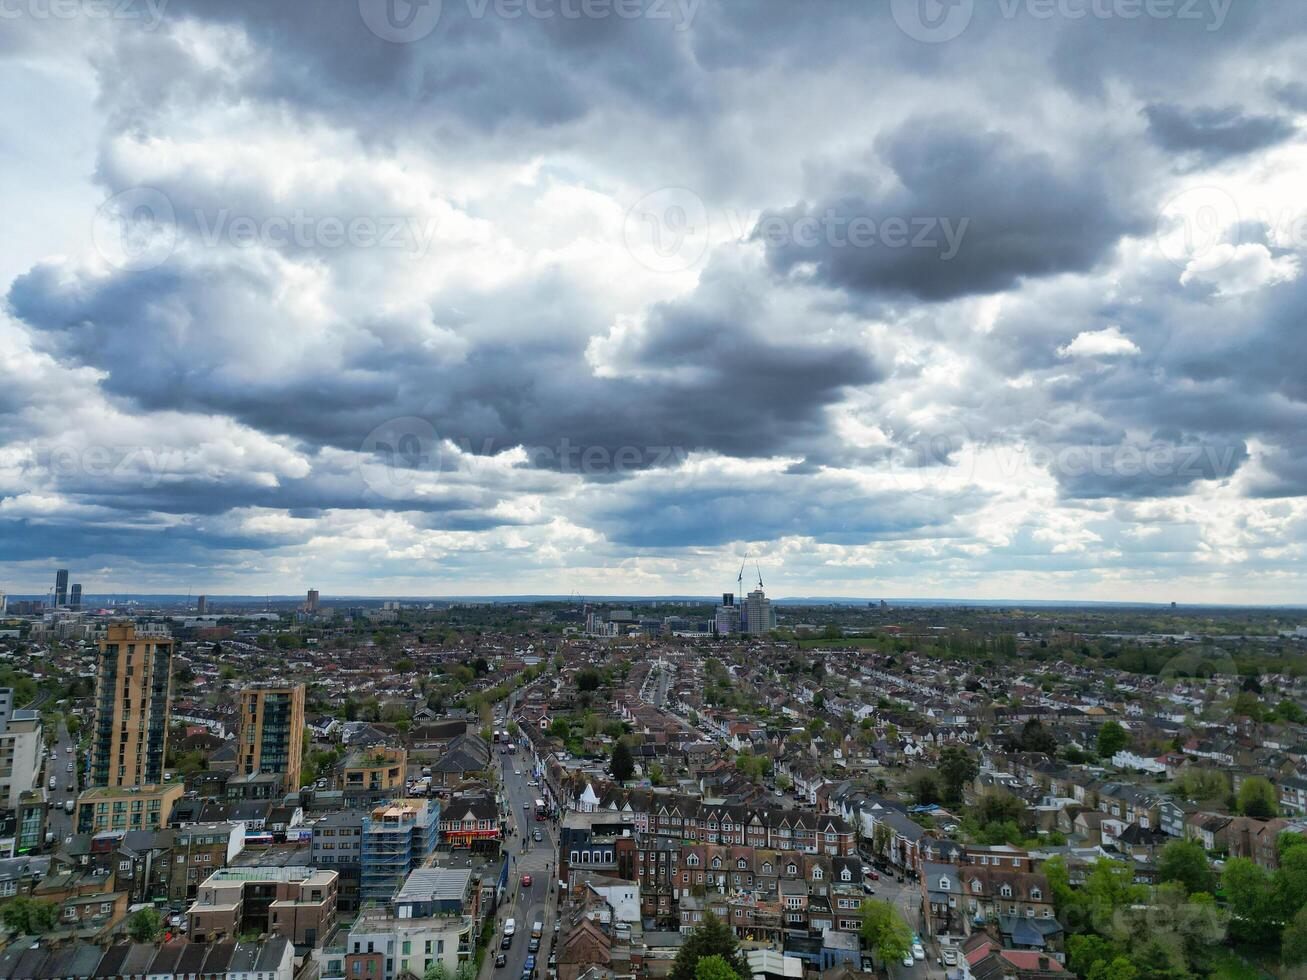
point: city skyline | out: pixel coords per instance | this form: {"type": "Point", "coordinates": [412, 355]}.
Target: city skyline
{"type": "Point", "coordinates": [601, 298]}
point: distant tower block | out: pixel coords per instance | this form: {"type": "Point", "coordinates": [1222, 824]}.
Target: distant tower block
{"type": "Point", "coordinates": [311, 602]}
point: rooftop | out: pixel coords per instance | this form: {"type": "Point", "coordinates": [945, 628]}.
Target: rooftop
{"type": "Point", "coordinates": [434, 885]}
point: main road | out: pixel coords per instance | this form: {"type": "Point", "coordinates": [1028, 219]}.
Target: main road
{"type": "Point", "coordinates": [537, 902]}
{"type": "Point", "coordinates": [56, 766]}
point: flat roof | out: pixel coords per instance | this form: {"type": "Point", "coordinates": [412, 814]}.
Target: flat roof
{"type": "Point", "coordinates": [434, 885]}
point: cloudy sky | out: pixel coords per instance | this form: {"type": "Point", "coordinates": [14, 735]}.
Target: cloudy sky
{"type": "Point", "coordinates": [1000, 299]}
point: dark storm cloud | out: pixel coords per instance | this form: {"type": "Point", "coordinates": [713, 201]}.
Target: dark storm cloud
{"type": "Point", "coordinates": [487, 65]}
{"type": "Point", "coordinates": [1213, 133]}
{"type": "Point", "coordinates": [708, 378]}
{"type": "Point", "coordinates": [970, 212]}
{"type": "Point", "coordinates": [764, 507]}
{"type": "Point", "coordinates": [28, 540]}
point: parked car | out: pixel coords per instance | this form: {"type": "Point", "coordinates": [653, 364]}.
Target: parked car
{"type": "Point", "coordinates": [918, 951]}
{"type": "Point", "coordinates": [908, 960]}
{"type": "Point", "coordinates": [950, 956]}
{"type": "Point", "coordinates": [506, 942]}
{"type": "Point", "coordinates": [501, 959]}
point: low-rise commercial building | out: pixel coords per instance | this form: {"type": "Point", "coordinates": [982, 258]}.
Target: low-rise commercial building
{"type": "Point", "coordinates": [126, 807]}
{"type": "Point", "coordinates": [296, 902]}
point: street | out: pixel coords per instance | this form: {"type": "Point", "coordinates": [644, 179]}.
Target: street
{"type": "Point", "coordinates": [907, 899]}
{"type": "Point", "coordinates": [536, 903]}
{"type": "Point", "coordinates": [60, 821]}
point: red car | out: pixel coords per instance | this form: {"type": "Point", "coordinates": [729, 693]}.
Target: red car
{"type": "Point", "coordinates": [526, 881]}
{"type": "Point", "coordinates": [874, 876]}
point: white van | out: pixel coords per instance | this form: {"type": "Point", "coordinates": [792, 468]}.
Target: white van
{"type": "Point", "coordinates": [510, 926]}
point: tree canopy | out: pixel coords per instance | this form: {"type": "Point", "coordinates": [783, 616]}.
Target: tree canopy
{"type": "Point", "coordinates": [884, 931]}
{"type": "Point", "coordinates": [712, 937]}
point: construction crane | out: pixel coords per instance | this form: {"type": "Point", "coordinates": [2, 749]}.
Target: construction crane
{"type": "Point", "coordinates": [759, 571]}
{"type": "Point", "coordinates": [739, 579]}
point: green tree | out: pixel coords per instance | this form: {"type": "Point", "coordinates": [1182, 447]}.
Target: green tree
{"type": "Point", "coordinates": [884, 931]}
{"type": "Point", "coordinates": [1251, 901]}
{"type": "Point", "coordinates": [1117, 968]}
{"type": "Point", "coordinates": [712, 937]}
{"type": "Point", "coordinates": [1112, 738]}
{"type": "Point", "coordinates": [145, 926]}
{"type": "Point", "coordinates": [1109, 886]}
{"type": "Point", "coordinates": [623, 764]}
{"type": "Point", "coordinates": [881, 838]}
{"type": "Point", "coordinates": [1157, 959]}
{"type": "Point", "coordinates": [1036, 738]}
{"type": "Point", "coordinates": [956, 769]}
{"type": "Point", "coordinates": [714, 968]}
{"type": "Point", "coordinates": [1257, 798]}
{"type": "Point", "coordinates": [1290, 711]}
{"type": "Point", "coordinates": [1293, 941]}
{"type": "Point", "coordinates": [1059, 882]}
{"type": "Point", "coordinates": [436, 971]}
{"type": "Point", "coordinates": [997, 806]}
{"type": "Point", "coordinates": [1086, 951]}
{"type": "Point", "coordinates": [27, 916]}
{"type": "Point", "coordinates": [1185, 862]}
{"type": "Point", "coordinates": [924, 787]}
